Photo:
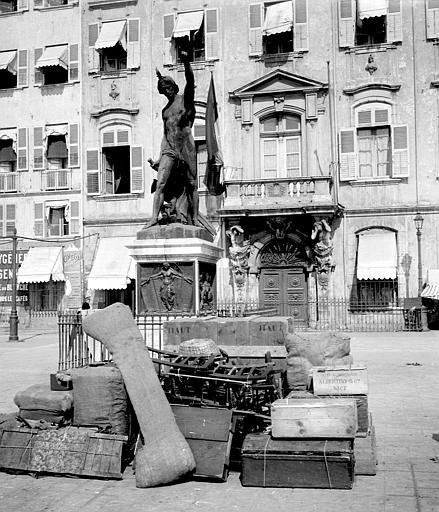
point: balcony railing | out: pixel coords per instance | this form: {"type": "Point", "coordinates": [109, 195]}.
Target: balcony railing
{"type": "Point", "coordinates": [286, 192]}
{"type": "Point", "coordinates": [9, 182]}
{"type": "Point", "coordinates": [56, 179]}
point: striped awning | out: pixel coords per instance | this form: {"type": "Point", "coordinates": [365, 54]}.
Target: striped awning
{"type": "Point", "coordinates": [431, 290]}
{"type": "Point", "coordinates": [112, 32]}
{"type": "Point", "coordinates": [42, 264]}
{"type": "Point", "coordinates": [53, 56]}
{"type": "Point", "coordinates": [8, 61]}
{"type": "Point", "coordinates": [371, 8]}
{"type": "Point", "coordinates": [113, 267]}
{"type": "Point", "coordinates": [278, 18]}
{"type": "Point", "coordinates": [377, 254]}
{"type": "Point", "coordinates": [187, 22]}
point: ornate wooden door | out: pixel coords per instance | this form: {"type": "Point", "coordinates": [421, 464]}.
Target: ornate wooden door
{"type": "Point", "coordinates": [286, 289]}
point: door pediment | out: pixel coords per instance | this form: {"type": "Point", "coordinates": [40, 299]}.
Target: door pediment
{"type": "Point", "coordinates": [278, 81]}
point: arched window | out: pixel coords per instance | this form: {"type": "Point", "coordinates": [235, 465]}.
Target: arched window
{"type": "Point", "coordinates": [280, 146]}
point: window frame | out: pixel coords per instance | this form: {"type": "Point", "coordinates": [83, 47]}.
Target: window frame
{"type": "Point", "coordinates": [280, 137]}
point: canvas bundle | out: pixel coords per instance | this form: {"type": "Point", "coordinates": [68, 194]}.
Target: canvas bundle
{"type": "Point", "coordinates": [306, 350]}
{"type": "Point", "coordinates": [100, 398]}
{"type": "Point", "coordinates": [39, 402]}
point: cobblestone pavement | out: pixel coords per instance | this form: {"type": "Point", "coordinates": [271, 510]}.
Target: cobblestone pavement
{"type": "Point", "coordinates": [403, 398]}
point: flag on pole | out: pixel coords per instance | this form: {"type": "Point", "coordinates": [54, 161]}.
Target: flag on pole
{"type": "Point", "coordinates": [212, 179]}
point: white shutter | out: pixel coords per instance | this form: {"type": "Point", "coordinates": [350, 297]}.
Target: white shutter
{"type": "Point", "coordinates": [2, 222]}
{"type": "Point", "coordinates": [23, 68]}
{"type": "Point", "coordinates": [74, 218]}
{"type": "Point", "coordinates": [348, 154]}
{"type": "Point", "coordinates": [394, 22]}
{"type": "Point", "coordinates": [93, 169]}
{"type": "Point", "coordinates": [432, 15]}
{"type": "Point", "coordinates": [346, 23]}
{"type": "Point", "coordinates": [93, 54]}
{"type": "Point", "coordinates": [301, 39]}
{"type": "Point", "coordinates": [10, 219]}
{"type": "Point", "coordinates": [73, 62]}
{"type": "Point", "coordinates": [255, 21]}
{"type": "Point", "coordinates": [38, 148]}
{"type": "Point", "coordinates": [74, 145]}
{"type": "Point", "coordinates": [211, 20]}
{"type": "Point", "coordinates": [109, 138]}
{"type": "Point", "coordinates": [22, 149]}
{"type": "Point", "coordinates": [122, 138]}
{"type": "Point", "coordinates": [38, 75]}
{"type": "Point", "coordinates": [136, 175]}
{"type": "Point", "coordinates": [39, 219]}
{"type": "Point", "coordinates": [400, 151]}
{"type": "Point", "coordinates": [133, 43]}
{"type": "Point", "coordinates": [168, 43]}
{"type": "Point", "coordinates": [247, 111]}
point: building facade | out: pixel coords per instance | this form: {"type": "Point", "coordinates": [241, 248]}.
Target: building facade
{"type": "Point", "coordinates": [327, 123]}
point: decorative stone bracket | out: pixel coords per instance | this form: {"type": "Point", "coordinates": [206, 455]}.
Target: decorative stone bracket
{"type": "Point", "coordinates": [322, 250]}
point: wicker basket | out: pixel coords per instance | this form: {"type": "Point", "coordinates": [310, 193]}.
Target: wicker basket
{"type": "Point", "coordinates": [199, 347]}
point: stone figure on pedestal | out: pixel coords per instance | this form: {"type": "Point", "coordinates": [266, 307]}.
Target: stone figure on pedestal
{"type": "Point", "coordinates": [321, 233]}
{"type": "Point", "coordinates": [176, 165]}
{"type": "Point", "coordinates": [239, 253]}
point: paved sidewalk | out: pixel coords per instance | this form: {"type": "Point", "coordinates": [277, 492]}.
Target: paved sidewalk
{"type": "Point", "coordinates": [403, 398]}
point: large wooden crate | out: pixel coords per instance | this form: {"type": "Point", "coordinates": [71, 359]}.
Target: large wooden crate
{"type": "Point", "coordinates": [360, 400]}
{"type": "Point", "coordinates": [209, 433]}
{"type": "Point", "coordinates": [69, 451]}
{"type": "Point", "coordinates": [339, 380]}
{"type": "Point", "coordinates": [321, 463]}
{"type": "Point", "coordinates": [308, 418]}
{"type": "Point", "coordinates": [366, 454]}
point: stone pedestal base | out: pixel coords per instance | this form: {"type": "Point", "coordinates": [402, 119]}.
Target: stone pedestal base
{"type": "Point", "coordinates": [176, 269]}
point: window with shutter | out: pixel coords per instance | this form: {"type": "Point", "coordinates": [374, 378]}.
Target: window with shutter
{"type": "Point", "coordinates": [400, 153]}
{"type": "Point", "coordinates": [118, 158]}
{"type": "Point", "coordinates": [281, 146]}
{"type": "Point", "coordinates": [73, 145]}
{"type": "Point", "coordinates": [136, 169]}
{"type": "Point", "coordinates": [93, 169]}
{"type": "Point", "coordinates": [8, 73]}
{"type": "Point", "coordinates": [93, 54]}
{"type": "Point", "coordinates": [2, 220]}
{"type": "Point", "coordinates": [39, 162]}
{"type": "Point", "coordinates": [255, 19]}
{"type": "Point", "coordinates": [168, 45]}
{"type": "Point", "coordinates": [10, 219]}
{"type": "Point", "coordinates": [39, 219]}
{"type": "Point", "coordinates": [376, 152]}
{"type": "Point", "coordinates": [348, 156]}
{"type": "Point", "coordinates": [73, 63]}
{"type": "Point", "coordinates": [133, 43]}
{"type": "Point", "coordinates": [38, 75]}
{"type": "Point", "coordinates": [74, 228]}
{"type": "Point", "coordinates": [277, 30]}
{"type": "Point", "coordinates": [212, 34]}
{"type": "Point", "coordinates": [432, 14]}
{"type": "Point", "coordinates": [23, 68]}
{"type": "Point", "coordinates": [22, 149]}
{"type": "Point", "coordinates": [346, 23]}
{"type": "Point", "coordinates": [300, 25]}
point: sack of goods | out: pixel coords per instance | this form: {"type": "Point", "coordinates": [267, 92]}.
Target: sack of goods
{"type": "Point", "coordinates": [39, 402]}
{"type": "Point", "coordinates": [100, 398]}
{"type": "Point", "coordinates": [306, 350]}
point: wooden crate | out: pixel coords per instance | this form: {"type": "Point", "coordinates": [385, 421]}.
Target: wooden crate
{"type": "Point", "coordinates": [308, 418]}
{"type": "Point", "coordinates": [322, 463]}
{"type": "Point", "coordinates": [339, 380]}
{"type": "Point", "coordinates": [360, 400]}
{"type": "Point", "coordinates": [365, 454]}
{"type": "Point", "coordinates": [209, 433]}
{"type": "Point", "coordinates": [70, 451]}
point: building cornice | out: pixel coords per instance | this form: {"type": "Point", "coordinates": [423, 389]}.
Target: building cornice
{"type": "Point", "coordinates": [350, 91]}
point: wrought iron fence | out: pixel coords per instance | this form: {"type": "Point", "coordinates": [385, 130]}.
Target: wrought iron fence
{"type": "Point", "coordinates": [76, 349]}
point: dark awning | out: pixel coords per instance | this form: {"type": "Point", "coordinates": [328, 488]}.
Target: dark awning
{"type": "Point", "coordinates": [56, 147]}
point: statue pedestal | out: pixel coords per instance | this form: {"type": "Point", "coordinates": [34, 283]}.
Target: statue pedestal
{"type": "Point", "coordinates": [176, 269]}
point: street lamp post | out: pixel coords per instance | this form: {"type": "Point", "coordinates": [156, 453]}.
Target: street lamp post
{"type": "Point", "coordinates": [13, 319]}
{"type": "Point", "coordinates": [419, 221]}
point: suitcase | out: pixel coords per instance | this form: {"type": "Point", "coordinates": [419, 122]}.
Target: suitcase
{"type": "Point", "coordinates": [209, 432]}
{"type": "Point", "coordinates": [316, 463]}
{"type": "Point", "coordinates": [366, 454]}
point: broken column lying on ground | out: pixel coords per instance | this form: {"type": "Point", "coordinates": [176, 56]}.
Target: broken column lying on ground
{"type": "Point", "coordinates": [165, 455]}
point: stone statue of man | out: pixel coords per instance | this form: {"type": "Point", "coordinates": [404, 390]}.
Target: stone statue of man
{"type": "Point", "coordinates": [177, 152]}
